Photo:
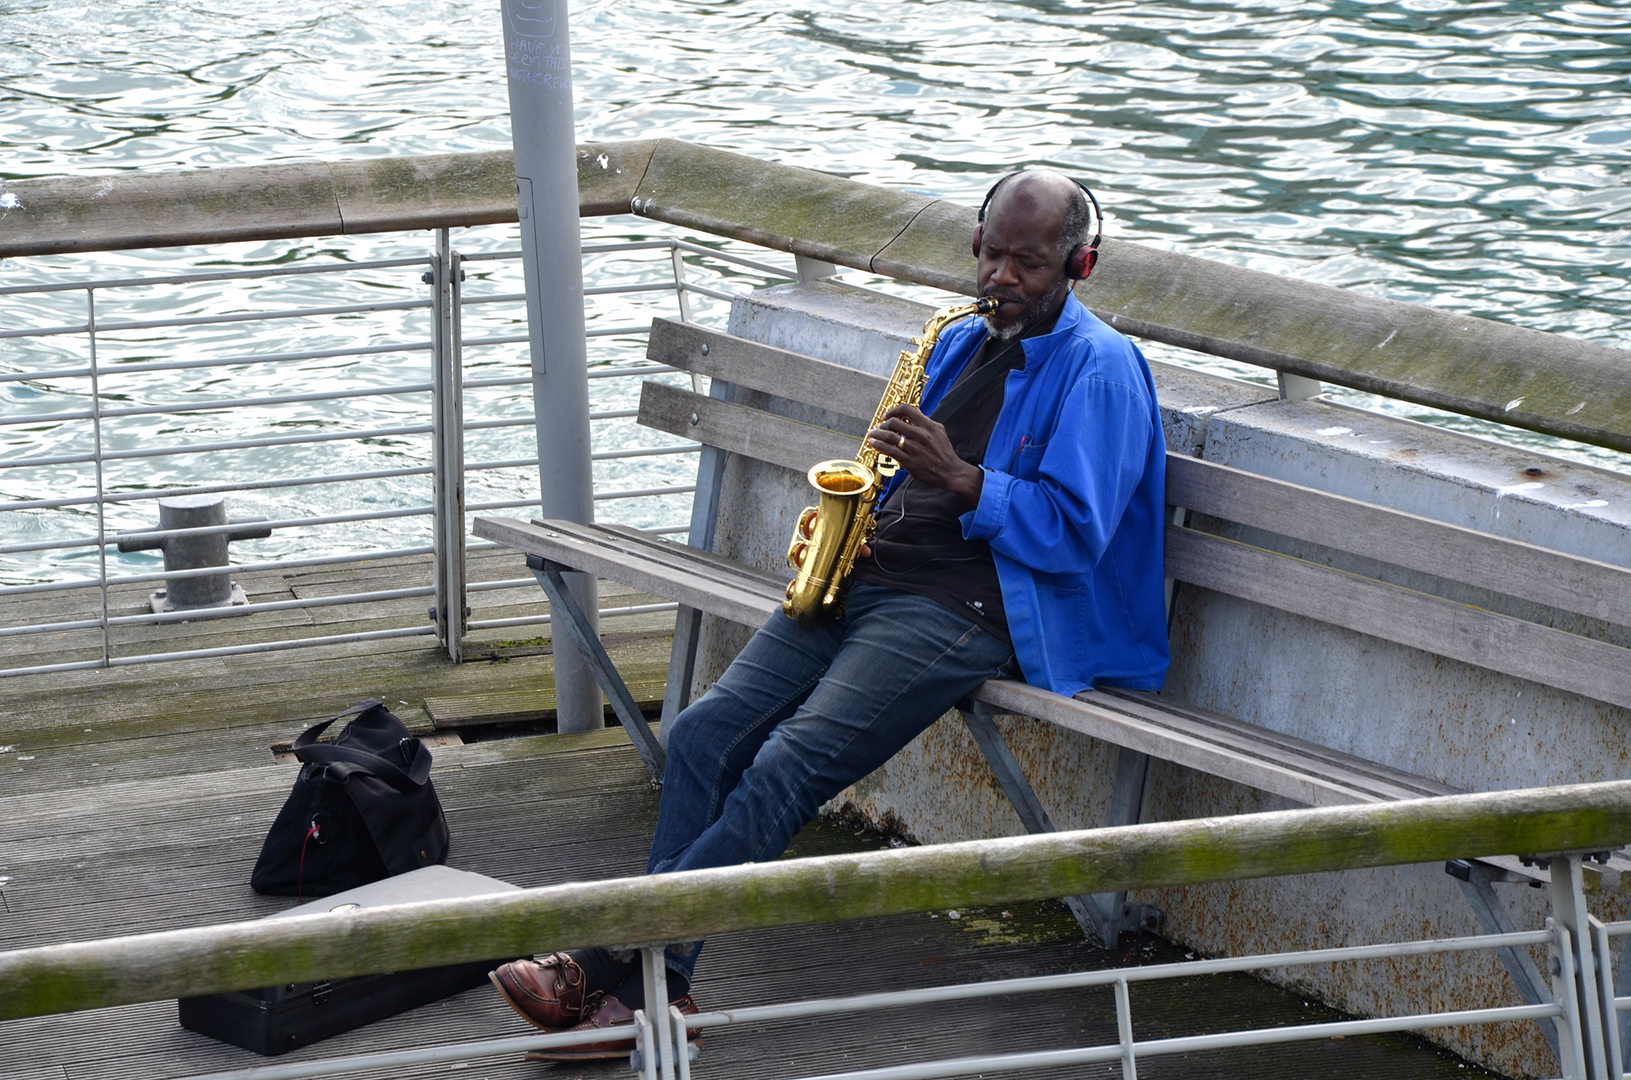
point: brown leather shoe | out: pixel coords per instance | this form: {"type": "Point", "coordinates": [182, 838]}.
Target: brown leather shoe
{"type": "Point", "coordinates": [548, 993]}
{"type": "Point", "coordinates": [609, 1013]}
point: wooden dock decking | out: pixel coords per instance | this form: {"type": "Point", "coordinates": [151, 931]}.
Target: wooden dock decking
{"type": "Point", "coordinates": [135, 799]}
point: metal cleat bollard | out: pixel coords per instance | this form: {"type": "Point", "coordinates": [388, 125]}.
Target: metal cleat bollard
{"type": "Point", "coordinates": [194, 552]}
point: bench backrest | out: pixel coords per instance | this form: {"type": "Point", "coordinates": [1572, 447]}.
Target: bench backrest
{"type": "Point", "coordinates": [1200, 548]}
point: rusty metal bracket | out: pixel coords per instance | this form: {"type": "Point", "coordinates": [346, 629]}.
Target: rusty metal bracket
{"type": "Point", "coordinates": [1102, 917]}
{"type": "Point", "coordinates": [1477, 885]}
{"type": "Point", "coordinates": [572, 619]}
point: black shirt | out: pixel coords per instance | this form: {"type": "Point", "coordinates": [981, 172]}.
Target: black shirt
{"type": "Point", "coordinates": [919, 547]}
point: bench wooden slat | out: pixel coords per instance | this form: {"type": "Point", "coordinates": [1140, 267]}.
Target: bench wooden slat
{"type": "Point", "coordinates": [739, 429]}
{"type": "Point", "coordinates": [1406, 785]}
{"type": "Point", "coordinates": [1512, 567]}
{"type": "Point", "coordinates": [691, 587]}
{"type": "Point", "coordinates": [785, 374]}
{"type": "Point", "coordinates": [679, 556]}
{"type": "Point", "coordinates": [1103, 718]}
{"type": "Point", "coordinates": [1485, 639]}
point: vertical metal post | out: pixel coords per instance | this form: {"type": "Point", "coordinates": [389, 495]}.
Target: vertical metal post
{"type": "Point", "coordinates": [538, 69]}
{"type": "Point", "coordinates": [1622, 988]}
{"type": "Point", "coordinates": [680, 292]}
{"type": "Point", "coordinates": [1572, 1061]}
{"type": "Point", "coordinates": [101, 488]}
{"type": "Point", "coordinates": [1569, 909]}
{"type": "Point", "coordinates": [447, 455]}
{"type": "Point", "coordinates": [660, 1048]}
{"type": "Point", "coordinates": [644, 1058]}
{"type": "Point", "coordinates": [680, 1039]}
{"type": "Point", "coordinates": [1124, 1031]}
{"type": "Point", "coordinates": [1180, 517]}
{"type": "Point", "coordinates": [682, 297]}
{"type": "Point", "coordinates": [1605, 997]}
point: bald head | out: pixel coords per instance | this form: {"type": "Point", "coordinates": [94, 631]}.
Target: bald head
{"type": "Point", "coordinates": [1050, 195]}
{"type": "Point", "coordinates": [1023, 248]}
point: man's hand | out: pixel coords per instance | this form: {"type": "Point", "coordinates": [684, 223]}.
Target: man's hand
{"type": "Point", "coordinates": [923, 449]}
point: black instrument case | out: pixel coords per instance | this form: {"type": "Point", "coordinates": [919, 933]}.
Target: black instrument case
{"type": "Point", "coordinates": [277, 1019]}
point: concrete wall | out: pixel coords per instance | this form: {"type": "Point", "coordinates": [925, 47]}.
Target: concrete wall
{"type": "Point", "coordinates": [1465, 726]}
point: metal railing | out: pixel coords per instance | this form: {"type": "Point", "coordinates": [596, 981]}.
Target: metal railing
{"type": "Point", "coordinates": [680, 907]}
{"type": "Point", "coordinates": [106, 454]}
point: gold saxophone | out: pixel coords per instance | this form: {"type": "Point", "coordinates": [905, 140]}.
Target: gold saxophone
{"type": "Point", "coordinates": [828, 537]}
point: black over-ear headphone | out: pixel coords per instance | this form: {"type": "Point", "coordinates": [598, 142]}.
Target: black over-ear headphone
{"type": "Point", "coordinates": [1079, 263]}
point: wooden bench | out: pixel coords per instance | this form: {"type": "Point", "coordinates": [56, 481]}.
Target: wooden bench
{"type": "Point", "coordinates": [1208, 500]}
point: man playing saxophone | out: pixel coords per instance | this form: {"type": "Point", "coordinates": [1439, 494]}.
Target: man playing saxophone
{"type": "Point", "coordinates": [1020, 538]}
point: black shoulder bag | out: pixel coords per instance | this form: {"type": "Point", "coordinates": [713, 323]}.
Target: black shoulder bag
{"type": "Point", "coordinates": [362, 808]}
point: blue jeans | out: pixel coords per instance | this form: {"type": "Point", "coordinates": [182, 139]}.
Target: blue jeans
{"type": "Point", "coordinates": [802, 714]}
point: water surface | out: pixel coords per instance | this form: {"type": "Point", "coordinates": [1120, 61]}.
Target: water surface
{"type": "Point", "coordinates": [1469, 156]}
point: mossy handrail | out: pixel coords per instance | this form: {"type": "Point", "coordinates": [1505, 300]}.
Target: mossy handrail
{"type": "Point", "coordinates": [1478, 367]}
{"type": "Point", "coordinates": [678, 907]}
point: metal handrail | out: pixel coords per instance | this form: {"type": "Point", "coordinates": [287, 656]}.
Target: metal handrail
{"type": "Point", "coordinates": [671, 281]}
{"type": "Point", "coordinates": [690, 905]}
{"type": "Point", "coordinates": [1284, 324]}
{"type": "Point", "coordinates": [247, 360]}
{"type": "Point", "coordinates": [219, 275]}
{"type": "Point", "coordinates": [216, 320]}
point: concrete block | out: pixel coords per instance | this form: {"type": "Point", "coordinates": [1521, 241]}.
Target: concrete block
{"type": "Point", "coordinates": [1463, 725]}
{"type": "Point", "coordinates": [1189, 399]}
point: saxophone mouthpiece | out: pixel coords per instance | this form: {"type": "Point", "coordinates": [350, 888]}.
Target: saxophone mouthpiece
{"type": "Point", "coordinates": [986, 305]}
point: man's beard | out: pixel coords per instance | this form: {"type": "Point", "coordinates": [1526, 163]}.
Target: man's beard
{"type": "Point", "coordinates": [1036, 309]}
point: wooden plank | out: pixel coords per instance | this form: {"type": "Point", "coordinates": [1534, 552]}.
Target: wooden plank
{"type": "Point", "coordinates": [679, 557]}
{"type": "Point", "coordinates": [1119, 727]}
{"type": "Point", "coordinates": [781, 372]}
{"type": "Point", "coordinates": [1313, 756]}
{"type": "Point", "coordinates": [1442, 627]}
{"type": "Point", "coordinates": [149, 803]}
{"type": "Point", "coordinates": [737, 603]}
{"type": "Point", "coordinates": [1250, 739]}
{"type": "Point", "coordinates": [738, 429]}
{"type": "Point", "coordinates": [1528, 571]}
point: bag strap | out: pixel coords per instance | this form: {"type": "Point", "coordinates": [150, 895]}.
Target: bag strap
{"type": "Point", "coordinates": [307, 749]}
{"type": "Point", "coordinates": [982, 377]}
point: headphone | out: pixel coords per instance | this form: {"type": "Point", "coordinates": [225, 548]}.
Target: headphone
{"type": "Point", "coordinates": [1079, 263]}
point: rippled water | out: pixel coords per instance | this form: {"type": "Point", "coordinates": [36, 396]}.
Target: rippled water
{"type": "Point", "coordinates": [1471, 156]}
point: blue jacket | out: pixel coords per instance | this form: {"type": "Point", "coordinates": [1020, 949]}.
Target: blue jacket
{"type": "Point", "coordinates": [1072, 503]}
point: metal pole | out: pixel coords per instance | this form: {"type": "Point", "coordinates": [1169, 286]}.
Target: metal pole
{"type": "Point", "coordinates": [447, 419]}
{"type": "Point", "coordinates": [1124, 1031]}
{"type": "Point", "coordinates": [1569, 909]}
{"type": "Point", "coordinates": [101, 480]}
{"type": "Point", "coordinates": [538, 68]}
